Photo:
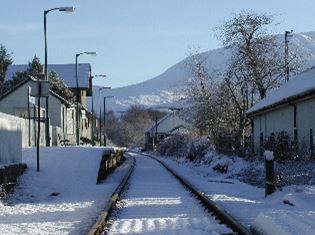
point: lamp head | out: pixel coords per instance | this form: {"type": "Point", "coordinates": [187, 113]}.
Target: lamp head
{"type": "Point", "coordinates": [67, 9]}
{"type": "Point", "coordinates": [104, 87]}
{"type": "Point", "coordinates": [92, 53]}
{"type": "Point", "coordinates": [100, 75]}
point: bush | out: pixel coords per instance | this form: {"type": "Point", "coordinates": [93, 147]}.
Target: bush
{"type": "Point", "coordinates": [295, 172]}
{"type": "Point", "coordinates": [282, 145]}
{"type": "Point", "coordinates": [174, 145]}
{"type": "Point", "coordinates": [198, 148]}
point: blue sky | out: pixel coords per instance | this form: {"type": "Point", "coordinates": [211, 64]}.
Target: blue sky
{"type": "Point", "coordinates": [135, 40]}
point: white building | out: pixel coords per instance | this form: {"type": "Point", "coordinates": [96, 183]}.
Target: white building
{"type": "Point", "coordinates": [289, 109]}
{"type": "Point", "coordinates": [18, 102]}
{"type": "Point", "coordinates": [67, 73]}
{"type": "Point", "coordinates": [169, 125]}
{"type": "Point", "coordinates": [64, 117]}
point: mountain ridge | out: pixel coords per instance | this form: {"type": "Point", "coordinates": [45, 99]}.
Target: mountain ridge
{"type": "Point", "coordinates": [166, 89]}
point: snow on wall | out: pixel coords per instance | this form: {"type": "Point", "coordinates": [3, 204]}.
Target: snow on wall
{"type": "Point", "coordinates": [14, 135]}
{"type": "Point", "coordinates": [11, 140]}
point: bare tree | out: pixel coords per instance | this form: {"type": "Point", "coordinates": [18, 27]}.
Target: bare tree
{"type": "Point", "coordinates": [257, 56]}
{"type": "Point", "coordinates": [201, 87]}
{"type": "Point", "coordinates": [129, 129]}
{"type": "Point", "coordinates": [255, 67]}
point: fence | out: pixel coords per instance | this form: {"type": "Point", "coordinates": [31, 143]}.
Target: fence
{"type": "Point", "coordinates": [110, 160]}
{"type": "Point", "coordinates": [227, 144]}
{"type": "Point", "coordinates": [16, 133]}
{"type": "Point", "coordinates": [10, 140]}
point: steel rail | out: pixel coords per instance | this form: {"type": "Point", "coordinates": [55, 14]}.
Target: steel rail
{"type": "Point", "coordinates": [217, 210]}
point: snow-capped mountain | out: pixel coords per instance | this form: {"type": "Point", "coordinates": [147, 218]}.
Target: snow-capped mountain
{"type": "Point", "coordinates": [167, 89]}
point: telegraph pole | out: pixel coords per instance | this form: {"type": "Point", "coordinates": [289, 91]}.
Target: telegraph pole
{"type": "Point", "coordinates": [287, 34]}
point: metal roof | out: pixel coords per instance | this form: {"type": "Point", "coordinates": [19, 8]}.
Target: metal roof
{"type": "Point", "coordinates": [65, 71]}
{"type": "Point", "coordinates": [299, 86]}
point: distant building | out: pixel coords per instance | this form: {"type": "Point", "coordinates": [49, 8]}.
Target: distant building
{"type": "Point", "coordinates": [290, 109]}
{"type": "Point", "coordinates": [169, 125]}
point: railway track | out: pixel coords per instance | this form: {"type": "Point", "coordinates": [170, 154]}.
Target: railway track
{"type": "Point", "coordinates": [152, 198]}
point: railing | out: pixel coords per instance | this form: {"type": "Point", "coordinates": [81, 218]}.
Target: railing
{"type": "Point", "coordinates": [110, 161]}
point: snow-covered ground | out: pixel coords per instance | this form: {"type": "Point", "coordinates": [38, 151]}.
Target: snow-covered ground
{"type": "Point", "coordinates": [156, 203]}
{"type": "Point", "coordinates": [70, 174]}
{"type": "Point", "coordinates": [290, 211]}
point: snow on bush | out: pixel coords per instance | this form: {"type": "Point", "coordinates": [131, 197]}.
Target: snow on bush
{"type": "Point", "coordinates": [198, 148]}
{"type": "Point", "coordinates": [221, 163]}
{"type": "Point", "coordinates": [200, 153]}
{"type": "Point", "coordinates": [295, 172]}
{"type": "Point", "coordinates": [175, 145]}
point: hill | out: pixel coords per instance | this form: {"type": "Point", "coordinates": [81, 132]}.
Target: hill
{"type": "Point", "coordinates": [167, 89]}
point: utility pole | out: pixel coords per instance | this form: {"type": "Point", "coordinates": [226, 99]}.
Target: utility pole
{"type": "Point", "coordinates": [104, 122]}
{"type": "Point", "coordinates": [287, 34]}
{"type": "Point", "coordinates": [100, 138]}
{"type": "Point", "coordinates": [62, 9]}
{"type": "Point", "coordinates": [78, 95]}
{"type": "Point", "coordinates": [100, 90]}
{"type": "Point", "coordinates": [94, 116]}
{"type": "Point", "coordinates": [156, 128]}
{"type": "Point", "coordinates": [105, 97]}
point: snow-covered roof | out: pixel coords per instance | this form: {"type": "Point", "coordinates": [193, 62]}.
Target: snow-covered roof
{"type": "Point", "coordinates": [152, 128]}
{"type": "Point", "coordinates": [65, 71]}
{"type": "Point", "coordinates": [169, 123]}
{"type": "Point", "coordinates": [32, 79]}
{"type": "Point", "coordinates": [299, 86]}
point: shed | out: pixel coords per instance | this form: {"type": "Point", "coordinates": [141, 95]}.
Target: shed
{"type": "Point", "coordinates": [289, 109]}
{"type": "Point", "coordinates": [170, 124]}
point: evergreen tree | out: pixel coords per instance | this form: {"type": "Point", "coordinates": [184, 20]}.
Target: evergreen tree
{"type": "Point", "coordinates": [34, 68]}
{"type": "Point", "coordinates": [58, 86]}
{"type": "Point", "coordinates": [5, 61]}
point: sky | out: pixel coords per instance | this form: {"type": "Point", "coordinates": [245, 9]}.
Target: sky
{"type": "Point", "coordinates": [134, 40]}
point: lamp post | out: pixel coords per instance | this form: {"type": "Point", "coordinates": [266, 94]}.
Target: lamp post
{"type": "Point", "coordinates": [104, 116]}
{"type": "Point", "coordinates": [77, 93]}
{"type": "Point", "coordinates": [64, 9]}
{"type": "Point", "coordinates": [100, 89]}
{"type": "Point", "coordinates": [93, 118]}
{"type": "Point", "coordinates": [287, 34]}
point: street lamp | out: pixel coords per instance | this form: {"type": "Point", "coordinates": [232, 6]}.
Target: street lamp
{"type": "Point", "coordinates": [100, 89]}
{"type": "Point", "coordinates": [287, 34]}
{"type": "Point", "coordinates": [104, 116]}
{"type": "Point", "coordinates": [77, 91]}
{"type": "Point", "coordinates": [64, 9]}
{"type": "Point", "coordinates": [93, 121]}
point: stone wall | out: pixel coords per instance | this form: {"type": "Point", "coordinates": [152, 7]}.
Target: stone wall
{"type": "Point", "coordinates": [9, 175]}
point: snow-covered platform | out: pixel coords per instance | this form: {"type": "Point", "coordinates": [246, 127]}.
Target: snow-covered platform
{"type": "Point", "coordinates": [63, 197]}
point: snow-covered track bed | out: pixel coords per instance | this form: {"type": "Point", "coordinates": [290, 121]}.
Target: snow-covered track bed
{"type": "Point", "coordinates": [218, 211]}
{"type": "Point", "coordinates": [155, 202]}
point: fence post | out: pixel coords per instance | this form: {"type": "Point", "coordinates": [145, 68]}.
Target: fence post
{"type": "Point", "coordinates": [252, 144]}
{"type": "Point", "coordinates": [261, 144]}
{"type": "Point", "coordinates": [311, 143]}
{"type": "Point", "coordinates": [269, 173]}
